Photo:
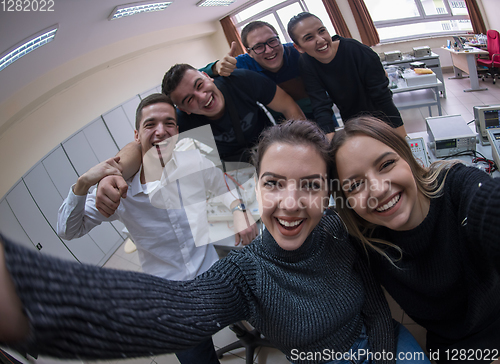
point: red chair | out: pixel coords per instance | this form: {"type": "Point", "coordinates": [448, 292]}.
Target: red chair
{"type": "Point", "coordinates": [493, 61]}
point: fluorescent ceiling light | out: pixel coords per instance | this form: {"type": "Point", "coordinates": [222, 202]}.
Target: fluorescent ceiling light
{"type": "Point", "coordinates": [135, 8]}
{"type": "Point", "coordinates": [33, 42]}
{"type": "Point", "coordinates": [215, 2]}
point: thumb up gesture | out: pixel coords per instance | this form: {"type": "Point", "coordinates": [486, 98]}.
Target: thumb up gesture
{"type": "Point", "coordinates": [227, 65]}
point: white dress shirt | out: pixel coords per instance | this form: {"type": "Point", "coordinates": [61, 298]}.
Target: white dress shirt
{"type": "Point", "coordinates": [172, 238]}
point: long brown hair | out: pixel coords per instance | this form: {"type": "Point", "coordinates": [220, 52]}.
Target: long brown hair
{"type": "Point", "coordinates": [426, 179]}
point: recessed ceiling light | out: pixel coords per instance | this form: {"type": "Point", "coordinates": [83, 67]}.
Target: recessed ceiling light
{"type": "Point", "coordinates": [215, 2]}
{"type": "Point", "coordinates": [136, 8]}
{"type": "Point", "coordinates": [23, 48]}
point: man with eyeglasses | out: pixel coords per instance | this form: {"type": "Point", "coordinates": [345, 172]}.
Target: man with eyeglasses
{"type": "Point", "coordinates": [266, 55]}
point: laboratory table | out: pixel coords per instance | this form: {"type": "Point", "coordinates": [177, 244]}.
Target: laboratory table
{"type": "Point", "coordinates": [464, 60]}
{"type": "Point", "coordinates": [408, 97]}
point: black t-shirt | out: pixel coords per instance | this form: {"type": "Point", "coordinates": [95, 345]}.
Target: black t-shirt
{"type": "Point", "coordinates": [245, 88]}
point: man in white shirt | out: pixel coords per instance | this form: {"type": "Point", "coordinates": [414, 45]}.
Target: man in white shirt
{"type": "Point", "coordinates": [171, 233]}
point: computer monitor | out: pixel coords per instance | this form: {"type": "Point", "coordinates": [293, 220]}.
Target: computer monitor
{"type": "Point", "coordinates": [486, 117]}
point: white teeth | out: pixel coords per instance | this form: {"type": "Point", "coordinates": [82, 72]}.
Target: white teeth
{"type": "Point", "coordinates": [209, 101]}
{"type": "Point", "coordinates": [290, 224]}
{"type": "Point", "coordinates": [273, 57]}
{"type": "Point", "coordinates": [388, 205]}
{"type": "Point", "coordinates": [323, 48]}
{"type": "Point", "coordinates": [163, 142]}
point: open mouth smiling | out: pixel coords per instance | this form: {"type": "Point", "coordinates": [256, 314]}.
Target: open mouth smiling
{"type": "Point", "coordinates": [389, 205]}
{"type": "Point", "coordinates": [209, 102]}
{"type": "Point", "coordinates": [290, 225]}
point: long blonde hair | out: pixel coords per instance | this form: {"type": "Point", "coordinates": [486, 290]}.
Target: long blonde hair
{"type": "Point", "coordinates": [426, 179]}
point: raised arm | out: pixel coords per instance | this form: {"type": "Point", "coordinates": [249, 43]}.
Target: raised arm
{"type": "Point", "coordinates": [227, 64]}
{"type": "Point", "coordinates": [224, 66]}
{"type": "Point", "coordinates": [112, 313]}
{"type": "Point", "coordinates": [14, 324]}
{"type": "Point", "coordinates": [95, 174]}
{"type": "Point", "coordinates": [77, 215]}
{"type": "Point", "coordinates": [283, 103]}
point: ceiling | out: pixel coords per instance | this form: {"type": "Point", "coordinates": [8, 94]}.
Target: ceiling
{"type": "Point", "coordinates": [84, 27]}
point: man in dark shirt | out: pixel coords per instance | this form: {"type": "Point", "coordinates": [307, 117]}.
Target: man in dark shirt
{"type": "Point", "coordinates": [230, 105]}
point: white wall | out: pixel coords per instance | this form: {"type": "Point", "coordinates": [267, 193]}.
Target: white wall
{"type": "Point", "coordinates": [490, 10]}
{"type": "Point", "coordinates": [55, 106]}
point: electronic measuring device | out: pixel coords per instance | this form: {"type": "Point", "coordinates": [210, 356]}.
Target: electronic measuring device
{"type": "Point", "coordinates": [449, 135]}
{"type": "Point", "coordinates": [419, 150]}
{"type": "Point", "coordinates": [486, 117]}
{"type": "Point", "coordinates": [494, 138]}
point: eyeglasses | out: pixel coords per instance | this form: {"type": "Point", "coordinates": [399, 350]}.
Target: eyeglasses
{"type": "Point", "coordinates": [261, 47]}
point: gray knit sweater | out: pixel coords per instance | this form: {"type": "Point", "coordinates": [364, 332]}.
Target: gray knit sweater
{"type": "Point", "coordinates": [314, 298]}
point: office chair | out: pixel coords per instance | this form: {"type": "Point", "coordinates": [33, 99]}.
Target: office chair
{"type": "Point", "coordinates": [247, 339]}
{"type": "Point", "coordinates": [493, 61]}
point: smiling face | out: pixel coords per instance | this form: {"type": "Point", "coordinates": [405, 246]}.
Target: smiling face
{"type": "Point", "coordinates": [291, 200]}
{"type": "Point", "coordinates": [272, 58]}
{"type": "Point", "coordinates": [313, 38]}
{"type": "Point", "coordinates": [158, 128]}
{"type": "Point", "coordinates": [379, 184]}
{"type": "Point", "coordinates": [197, 94]}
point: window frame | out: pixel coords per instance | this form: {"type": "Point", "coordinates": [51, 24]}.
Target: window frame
{"type": "Point", "coordinates": [423, 18]}
{"type": "Point", "coordinates": [273, 10]}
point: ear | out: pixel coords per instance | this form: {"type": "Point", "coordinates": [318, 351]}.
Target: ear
{"type": "Point", "coordinates": [297, 47]}
{"type": "Point", "coordinates": [136, 136]}
{"type": "Point", "coordinates": [207, 76]}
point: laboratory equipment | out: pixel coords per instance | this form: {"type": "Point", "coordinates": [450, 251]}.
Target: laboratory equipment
{"type": "Point", "coordinates": [486, 117]}
{"type": "Point", "coordinates": [419, 151]}
{"type": "Point", "coordinates": [421, 51]}
{"type": "Point", "coordinates": [494, 138]}
{"type": "Point", "coordinates": [449, 135]}
{"type": "Point", "coordinates": [393, 56]}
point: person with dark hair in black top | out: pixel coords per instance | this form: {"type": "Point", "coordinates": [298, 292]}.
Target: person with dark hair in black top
{"type": "Point", "coordinates": [342, 71]}
{"type": "Point", "coordinates": [432, 235]}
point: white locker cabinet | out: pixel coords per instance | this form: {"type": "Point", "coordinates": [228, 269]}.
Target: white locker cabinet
{"type": "Point", "coordinates": [118, 125]}
{"type": "Point", "coordinates": [130, 108]}
{"type": "Point", "coordinates": [156, 89]}
{"type": "Point", "coordinates": [100, 140]}
{"type": "Point", "coordinates": [34, 223]}
{"type": "Point", "coordinates": [64, 176]}
{"type": "Point", "coordinates": [60, 171]}
{"type": "Point", "coordinates": [10, 227]}
{"type": "Point", "coordinates": [48, 201]}
{"type": "Point", "coordinates": [80, 153]}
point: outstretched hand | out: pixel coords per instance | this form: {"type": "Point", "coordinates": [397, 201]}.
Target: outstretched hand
{"type": "Point", "coordinates": [95, 174]}
{"type": "Point", "coordinates": [227, 65]}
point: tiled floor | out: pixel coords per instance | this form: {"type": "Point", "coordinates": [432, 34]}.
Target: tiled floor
{"type": "Point", "coordinates": [456, 102]}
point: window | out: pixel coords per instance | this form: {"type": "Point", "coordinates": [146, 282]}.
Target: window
{"type": "Point", "coordinates": [279, 12]}
{"type": "Point", "coordinates": [410, 19]}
